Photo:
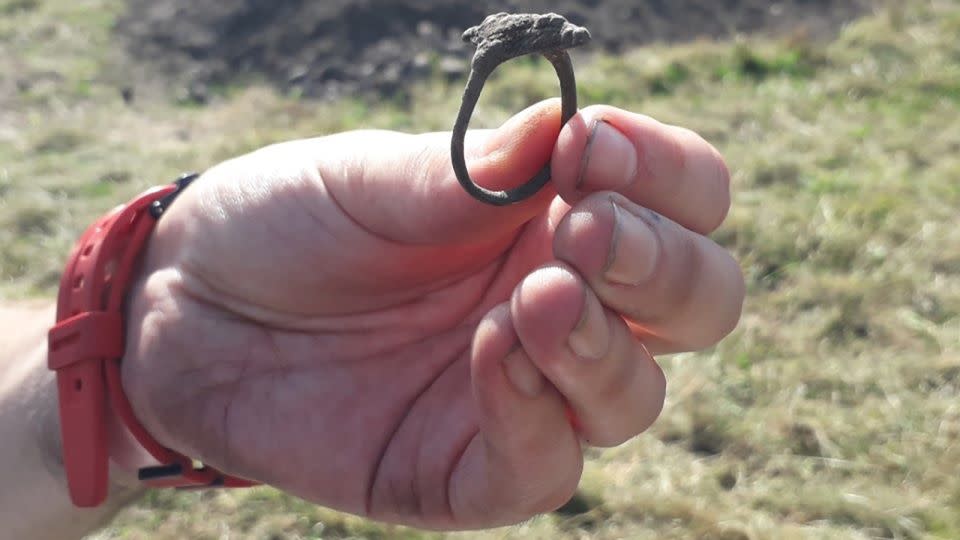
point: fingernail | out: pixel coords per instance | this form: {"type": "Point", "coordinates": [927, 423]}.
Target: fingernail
{"type": "Point", "coordinates": [634, 249]}
{"type": "Point", "coordinates": [609, 161]}
{"type": "Point", "coordinates": [521, 372]}
{"type": "Point", "coordinates": [591, 337]}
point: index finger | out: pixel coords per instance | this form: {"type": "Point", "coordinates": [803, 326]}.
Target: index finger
{"type": "Point", "coordinates": [665, 168]}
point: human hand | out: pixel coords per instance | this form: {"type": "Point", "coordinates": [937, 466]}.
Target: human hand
{"type": "Point", "coordinates": [337, 318]}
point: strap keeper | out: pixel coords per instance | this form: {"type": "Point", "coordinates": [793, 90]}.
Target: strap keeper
{"type": "Point", "coordinates": [94, 335]}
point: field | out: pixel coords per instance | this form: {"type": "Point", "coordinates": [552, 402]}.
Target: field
{"type": "Point", "coordinates": [833, 411]}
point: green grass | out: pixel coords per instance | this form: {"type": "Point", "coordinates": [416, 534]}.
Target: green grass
{"type": "Point", "coordinates": [831, 412]}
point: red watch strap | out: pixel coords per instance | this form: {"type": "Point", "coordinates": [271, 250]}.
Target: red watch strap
{"type": "Point", "coordinates": [85, 350]}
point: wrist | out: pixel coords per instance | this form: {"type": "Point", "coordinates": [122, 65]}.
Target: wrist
{"type": "Point", "coordinates": [36, 503]}
{"type": "Point", "coordinates": [28, 402]}
{"type": "Point", "coordinates": [27, 388]}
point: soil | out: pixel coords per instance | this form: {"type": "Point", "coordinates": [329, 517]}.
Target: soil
{"type": "Point", "coordinates": [327, 48]}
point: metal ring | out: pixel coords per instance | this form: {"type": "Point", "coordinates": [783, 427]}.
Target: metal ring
{"type": "Point", "coordinates": [502, 37]}
{"type": "Point", "coordinates": [568, 95]}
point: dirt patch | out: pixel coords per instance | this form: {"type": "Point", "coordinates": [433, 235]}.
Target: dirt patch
{"type": "Point", "coordinates": [332, 47]}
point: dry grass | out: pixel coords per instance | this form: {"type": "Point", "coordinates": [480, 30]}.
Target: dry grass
{"type": "Point", "coordinates": [832, 412]}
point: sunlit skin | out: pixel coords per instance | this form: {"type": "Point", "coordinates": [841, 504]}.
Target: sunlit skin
{"type": "Point", "coordinates": [335, 317]}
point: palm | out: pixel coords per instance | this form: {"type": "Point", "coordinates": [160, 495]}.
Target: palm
{"type": "Point", "coordinates": [377, 352]}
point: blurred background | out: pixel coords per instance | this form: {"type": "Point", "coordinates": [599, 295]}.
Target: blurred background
{"type": "Point", "coordinates": [833, 410]}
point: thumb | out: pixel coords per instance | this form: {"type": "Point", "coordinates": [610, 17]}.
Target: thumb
{"type": "Point", "coordinates": [402, 187]}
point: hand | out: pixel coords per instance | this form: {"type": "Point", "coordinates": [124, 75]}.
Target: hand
{"type": "Point", "coordinates": [337, 318]}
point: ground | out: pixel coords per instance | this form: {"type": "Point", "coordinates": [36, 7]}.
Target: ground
{"type": "Point", "coordinates": [831, 412]}
{"type": "Point", "coordinates": [341, 47]}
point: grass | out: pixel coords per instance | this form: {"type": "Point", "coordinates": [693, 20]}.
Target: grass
{"type": "Point", "coordinates": [831, 412]}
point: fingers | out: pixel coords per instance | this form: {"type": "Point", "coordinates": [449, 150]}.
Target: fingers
{"type": "Point", "coordinates": [682, 291]}
{"type": "Point", "coordinates": [403, 187]}
{"type": "Point", "coordinates": [668, 169]}
{"type": "Point", "coordinates": [588, 353]}
{"type": "Point", "coordinates": [526, 459]}
{"type": "Point", "coordinates": [552, 347]}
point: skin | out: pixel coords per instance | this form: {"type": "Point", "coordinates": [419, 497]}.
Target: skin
{"type": "Point", "coordinates": [35, 504]}
{"type": "Point", "coordinates": [337, 318]}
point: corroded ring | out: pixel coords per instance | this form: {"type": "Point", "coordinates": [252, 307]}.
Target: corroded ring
{"type": "Point", "coordinates": [500, 38]}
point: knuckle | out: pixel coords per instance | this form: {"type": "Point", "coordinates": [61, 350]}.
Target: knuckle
{"type": "Point", "coordinates": [738, 291]}
{"type": "Point", "coordinates": [726, 316]}
{"type": "Point", "coordinates": [558, 496]}
{"type": "Point", "coordinates": [630, 395]}
{"type": "Point", "coordinates": [638, 407]}
{"type": "Point", "coordinates": [618, 382]}
{"type": "Point", "coordinates": [705, 172]}
{"type": "Point", "coordinates": [608, 440]}
{"type": "Point", "coordinates": [691, 270]}
{"type": "Point", "coordinates": [670, 291]}
{"type": "Point", "coordinates": [713, 331]}
{"type": "Point", "coordinates": [546, 493]}
{"type": "Point", "coordinates": [584, 235]}
{"type": "Point", "coordinates": [720, 193]}
{"type": "Point", "coordinates": [675, 156]}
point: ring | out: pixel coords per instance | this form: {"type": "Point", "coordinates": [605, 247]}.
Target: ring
{"type": "Point", "coordinates": [500, 38]}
